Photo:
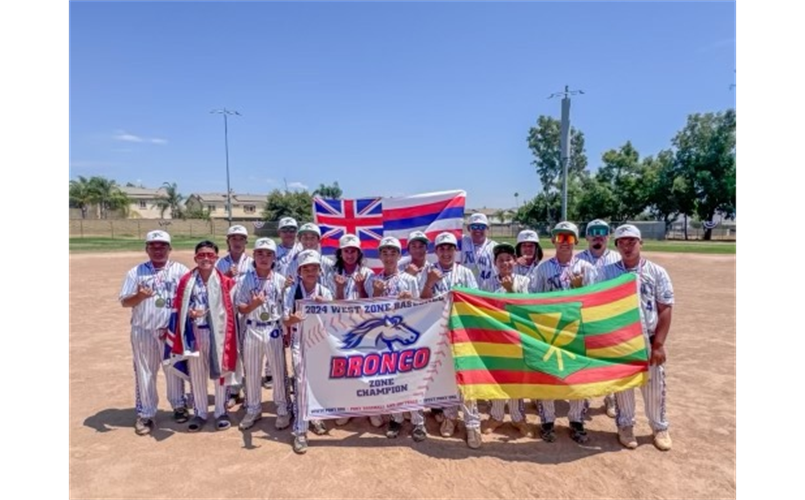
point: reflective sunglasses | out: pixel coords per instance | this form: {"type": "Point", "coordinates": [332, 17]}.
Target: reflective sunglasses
{"type": "Point", "coordinates": [206, 255]}
{"type": "Point", "coordinates": [598, 231]}
{"type": "Point", "coordinates": [564, 238]}
{"type": "Point", "coordinates": [477, 227]}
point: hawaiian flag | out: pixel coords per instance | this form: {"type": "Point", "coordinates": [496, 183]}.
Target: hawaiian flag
{"type": "Point", "coordinates": [370, 219]}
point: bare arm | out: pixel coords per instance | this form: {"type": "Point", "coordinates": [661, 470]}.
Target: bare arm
{"type": "Point", "coordinates": [661, 333]}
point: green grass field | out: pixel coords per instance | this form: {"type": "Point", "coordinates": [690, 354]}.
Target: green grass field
{"type": "Point", "coordinates": [188, 243]}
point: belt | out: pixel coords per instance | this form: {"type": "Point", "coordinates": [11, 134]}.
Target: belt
{"type": "Point", "coordinates": [203, 327]}
{"type": "Point", "coordinates": [262, 323]}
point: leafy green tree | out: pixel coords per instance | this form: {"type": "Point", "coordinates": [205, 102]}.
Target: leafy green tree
{"type": "Point", "coordinates": [544, 142]}
{"type": "Point", "coordinates": [80, 195]}
{"type": "Point", "coordinates": [171, 200]}
{"type": "Point", "coordinates": [296, 204]}
{"type": "Point", "coordinates": [332, 192]}
{"type": "Point", "coordinates": [628, 180]}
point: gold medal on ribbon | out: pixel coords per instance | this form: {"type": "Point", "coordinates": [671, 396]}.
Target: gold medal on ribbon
{"type": "Point", "coordinates": [264, 316]}
{"type": "Point", "coordinates": [160, 302]}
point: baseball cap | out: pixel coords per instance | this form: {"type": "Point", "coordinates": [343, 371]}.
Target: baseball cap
{"type": "Point", "coordinates": [265, 244]}
{"type": "Point", "coordinates": [158, 235]}
{"type": "Point", "coordinates": [390, 241]}
{"type": "Point", "coordinates": [237, 229]}
{"type": "Point", "coordinates": [349, 240]}
{"type": "Point", "coordinates": [309, 227]}
{"type": "Point", "coordinates": [627, 231]}
{"type": "Point", "coordinates": [503, 247]}
{"type": "Point", "coordinates": [446, 239]}
{"type": "Point", "coordinates": [306, 257]}
{"type": "Point", "coordinates": [566, 227]}
{"type": "Point", "coordinates": [479, 218]}
{"type": "Point", "coordinates": [287, 222]}
{"type": "Point", "coordinates": [527, 236]}
{"type": "Point", "coordinates": [596, 223]}
{"type": "Point", "coordinates": [418, 236]}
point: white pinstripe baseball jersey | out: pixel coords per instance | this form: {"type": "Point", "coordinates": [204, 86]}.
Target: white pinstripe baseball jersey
{"type": "Point", "coordinates": [243, 265]}
{"type": "Point", "coordinates": [289, 301]}
{"type": "Point", "coordinates": [479, 259]}
{"type": "Point", "coordinates": [285, 256]}
{"type": "Point", "coordinates": [493, 284]}
{"type": "Point", "coordinates": [525, 270]}
{"type": "Point", "coordinates": [457, 275]}
{"type": "Point", "coordinates": [271, 286]}
{"type": "Point", "coordinates": [147, 314]}
{"type": "Point", "coordinates": [395, 284]}
{"type": "Point", "coordinates": [550, 275]}
{"type": "Point", "coordinates": [350, 290]}
{"type": "Point", "coordinates": [606, 258]}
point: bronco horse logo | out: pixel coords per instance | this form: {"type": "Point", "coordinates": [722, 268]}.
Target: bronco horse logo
{"type": "Point", "coordinates": [391, 331]}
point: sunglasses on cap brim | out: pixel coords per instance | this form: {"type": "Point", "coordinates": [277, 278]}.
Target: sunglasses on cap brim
{"type": "Point", "coordinates": [565, 238]}
{"type": "Point", "coordinates": [477, 227]}
{"type": "Point", "coordinates": [598, 231]}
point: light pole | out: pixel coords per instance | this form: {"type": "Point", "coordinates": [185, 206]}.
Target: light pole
{"type": "Point", "coordinates": [226, 113]}
{"type": "Point", "coordinates": [564, 140]}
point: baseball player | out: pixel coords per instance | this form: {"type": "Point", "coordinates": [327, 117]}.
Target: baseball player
{"type": "Point", "coordinates": [528, 252]}
{"type": "Point", "coordinates": [310, 239]}
{"type": "Point", "coordinates": [234, 265]}
{"type": "Point", "coordinates": [597, 254]}
{"type": "Point", "coordinates": [308, 287]}
{"type": "Point", "coordinates": [348, 280]}
{"type": "Point", "coordinates": [476, 249]}
{"type": "Point", "coordinates": [286, 251]}
{"type": "Point", "coordinates": [149, 290]}
{"type": "Point", "coordinates": [288, 247]}
{"type": "Point", "coordinates": [259, 299]}
{"type": "Point", "coordinates": [656, 304]}
{"type": "Point", "coordinates": [441, 277]}
{"type": "Point", "coordinates": [206, 333]}
{"type": "Point", "coordinates": [562, 272]}
{"type": "Point", "coordinates": [391, 282]}
{"type": "Point", "coordinates": [417, 257]}
{"type": "Point", "coordinates": [506, 281]}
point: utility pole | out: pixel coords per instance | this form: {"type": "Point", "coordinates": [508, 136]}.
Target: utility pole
{"type": "Point", "coordinates": [226, 113]}
{"type": "Point", "coordinates": [564, 140]}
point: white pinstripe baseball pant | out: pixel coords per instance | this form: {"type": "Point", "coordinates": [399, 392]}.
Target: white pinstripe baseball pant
{"type": "Point", "coordinates": [547, 411]}
{"type": "Point", "coordinates": [300, 424]}
{"type": "Point", "coordinates": [264, 341]}
{"type": "Point", "coordinates": [472, 417]}
{"type": "Point", "coordinates": [653, 397]}
{"type": "Point", "coordinates": [516, 409]}
{"type": "Point", "coordinates": [417, 417]}
{"type": "Point", "coordinates": [200, 375]}
{"type": "Point", "coordinates": [147, 350]}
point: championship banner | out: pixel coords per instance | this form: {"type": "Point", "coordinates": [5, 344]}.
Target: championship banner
{"type": "Point", "coordinates": [375, 357]}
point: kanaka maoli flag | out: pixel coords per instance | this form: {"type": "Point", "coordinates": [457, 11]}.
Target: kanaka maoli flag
{"type": "Point", "coordinates": [561, 345]}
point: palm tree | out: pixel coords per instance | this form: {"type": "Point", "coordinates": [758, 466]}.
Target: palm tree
{"type": "Point", "coordinates": [502, 216]}
{"type": "Point", "coordinates": [333, 192]}
{"type": "Point", "coordinates": [172, 200]}
{"type": "Point", "coordinates": [107, 195]}
{"type": "Point", "coordinates": [80, 195]}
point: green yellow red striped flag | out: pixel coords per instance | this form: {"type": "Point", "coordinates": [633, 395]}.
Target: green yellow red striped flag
{"type": "Point", "coordinates": [560, 345]}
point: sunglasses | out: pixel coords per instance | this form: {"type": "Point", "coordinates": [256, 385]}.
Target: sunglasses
{"type": "Point", "coordinates": [477, 227]}
{"type": "Point", "coordinates": [206, 255]}
{"type": "Point", "coordinates": [564, 238]}
{"type": "Point", "coordinates": [598, 231]}
{"type": "Point", "coordinates": [287, 229]}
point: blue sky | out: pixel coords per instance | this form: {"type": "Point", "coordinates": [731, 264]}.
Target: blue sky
{"type": "Point", "coordinates": [386, 98]}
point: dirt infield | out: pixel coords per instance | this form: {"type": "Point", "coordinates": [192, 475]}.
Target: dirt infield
{"type": "Point", "coordinates": [107, 459]}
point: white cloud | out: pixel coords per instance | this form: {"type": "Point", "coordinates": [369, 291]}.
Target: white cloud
{"type": "Point", "coordinates": [297, 185]}
{"type": "Point", "coordinates": [126, 137]}
{"type": "Point", "coordinates": [122, 135]}
{"type": "Point", "coordinates": [262, 180]}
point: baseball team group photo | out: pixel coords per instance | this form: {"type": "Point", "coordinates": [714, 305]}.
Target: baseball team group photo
{"type": "Point", "coordinates": [388, 268]}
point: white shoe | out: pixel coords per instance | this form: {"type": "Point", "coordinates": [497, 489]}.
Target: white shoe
{"type": "Point", "coordinates": [376, 421]}
{"type": "Point", "coordinates": [448, 428]}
